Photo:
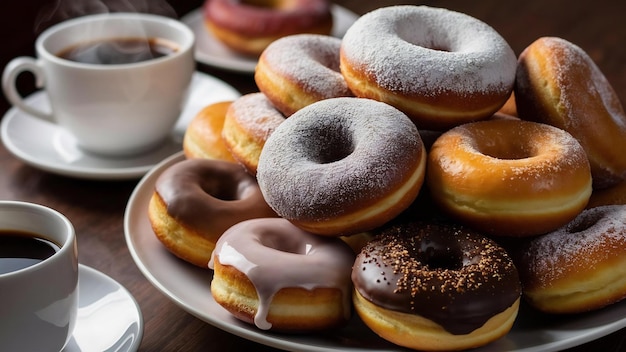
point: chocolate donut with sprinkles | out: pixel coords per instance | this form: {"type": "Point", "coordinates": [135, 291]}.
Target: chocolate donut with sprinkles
{"type": "Point", "coordinates": [435, 287]}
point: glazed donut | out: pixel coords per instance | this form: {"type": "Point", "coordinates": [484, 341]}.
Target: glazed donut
{"type": "Point", "coordinates": [248, 27]}
{"type": "Point", "coordinates": [203, 136]}
{"type": "Point", "coordinates": [509, 177]}
{"type": "Point", "coordinates": [342, 166]}
{"type": "Point", "coordinates": [431, 286]}
{"type": "Point", "coordinates": [249, 121]}
{"type": "Point", "coordinates": [559, 84]}
{"type": "Point", "coordinates": [441, 68]}
{"type": "Point", "coordinates": [579, 267]}
{"type": "Point", "coordinates": [269, 273]}
{"type": "Point", "coordinates": [196, 200]}
{"type": "Point", "coordinates": [298, 70]}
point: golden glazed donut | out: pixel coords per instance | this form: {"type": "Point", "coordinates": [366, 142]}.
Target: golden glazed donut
{"type": "Point", "coordinates": [249, 121]}
{"type": "Point", "coordinates": [298, 70]}
{"type": "Point", "coordinates": [579, 267]}
{"type": "Point", "coordinates": [249, 26]}
{"type": "Point", "coordinates": [509, 177]}
{"type": "Point", "coordinates": [559, 84]}
{"type": "Point", "coordinates": [203, 136]}
{"type": "Point", "coordinates": [342, 166]}
{"type": "Point", "coordinates": [270, 273]}
{"type": "Point", "coordinates": [196, 200]}
{"type": "Point", "coordinates": [441, 68]}
{"type": "Point", "coordinates": [435, 287]}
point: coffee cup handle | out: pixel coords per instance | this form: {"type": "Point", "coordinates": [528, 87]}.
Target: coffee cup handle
{"type": "Point", "coordinates": [13, 69]}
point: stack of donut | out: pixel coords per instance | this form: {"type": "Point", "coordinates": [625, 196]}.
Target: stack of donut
{"type": "Point", "coordinates": [423, 136]}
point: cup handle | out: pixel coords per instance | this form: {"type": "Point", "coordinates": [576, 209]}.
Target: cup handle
{"type": "Point", "coordinates": [13, 69]}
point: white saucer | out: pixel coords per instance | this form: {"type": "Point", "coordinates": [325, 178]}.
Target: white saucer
{"type": "Point", "coordinates": [46, 146]}
{"type": "Point", "coordinates": [109, 318]}
{"type": "Point", "coordinates": [212, 52]}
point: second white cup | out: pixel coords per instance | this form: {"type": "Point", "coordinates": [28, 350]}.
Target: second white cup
{"type": "Point", "coordinates": [38, 278]}
{"type": "Point", "coordinates": [110, 108]}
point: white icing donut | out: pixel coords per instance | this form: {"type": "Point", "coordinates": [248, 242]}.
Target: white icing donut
{"type": "Point", "coordinates": [442, 68]}
{"type": "Point", "coordinates": [299, 281]}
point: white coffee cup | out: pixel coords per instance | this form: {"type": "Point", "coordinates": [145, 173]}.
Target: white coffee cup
{"type": "Point", "coordinates": [40, 301]}
{"type": "Point", "coordinates": [110, 109]}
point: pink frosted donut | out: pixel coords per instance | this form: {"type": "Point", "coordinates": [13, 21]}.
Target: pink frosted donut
{"type": "Point", "coordinates": [441, 68]}
{"type": "Point", "coordinates": [299, 70]}
{"type": "Point", "coordinates": [342, 166]}
{"type": "Point", "coordinates": [581, 266]}
{"type": "Point", "coordinates": [249, 27]}
{"type": "Point", "coordinates": [271, 273]}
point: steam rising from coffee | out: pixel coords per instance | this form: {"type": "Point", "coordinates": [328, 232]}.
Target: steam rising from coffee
{"type": "Point", "coordinates": [61, 10]}
{"type": "Point", "coordinates": [118, 51]}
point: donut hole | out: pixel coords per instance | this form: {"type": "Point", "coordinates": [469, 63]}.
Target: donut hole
{"type": "Point", "coordinates": [279, 243]}
{"type": "Point", "coordinates": [582, 224]}
{"type": "Point", "coordinates": [506, 150]}
{"type": "Point", "coordinates": [438, 256]}
{"type": "Point", "coordinates": [418, 38]}
{"type": "Point", "coordinates": [221, 192]}
{"type": "Point", "coordinates": [330, 145]}
{"type": "Point", "coordinates": [229, 188]}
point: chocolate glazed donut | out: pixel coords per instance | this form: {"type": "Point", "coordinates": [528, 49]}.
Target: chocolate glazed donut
{"type": "Point", "coordinates": [433, 286]}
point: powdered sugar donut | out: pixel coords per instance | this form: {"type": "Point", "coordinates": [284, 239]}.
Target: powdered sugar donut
{"type": "Point", "coordinates": [342, 166]}
{"type": "Point", "coordinates": [559, 84]}
{"type": "Point", "coordinates": [299, 70]}
{"type": "Point", "coordinates": [441, 68]}
{"type": "Point", "coordinates": [581, 266]}
{"type": "Point", "coordinates": [249, 121]}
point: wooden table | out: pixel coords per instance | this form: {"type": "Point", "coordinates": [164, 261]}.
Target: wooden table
{"type": "Point", "coordinates": [96, 207]}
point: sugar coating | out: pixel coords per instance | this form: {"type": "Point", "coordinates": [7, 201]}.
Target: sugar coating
{"type": "Point", "coordinates": [419, 50]}
{"type": "Point", "coordinates": [335, 155]}
{"type": "Point", "coordinates": [256, 114]}
{"type": "Point", "coordinates": [583, 243]}
{"type": "Point", "coordinates": [311, 61]}
{"type": "Point", "coordinates": [569, 58]}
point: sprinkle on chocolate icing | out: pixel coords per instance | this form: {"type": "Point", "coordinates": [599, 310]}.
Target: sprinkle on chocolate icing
{"type": "Point", "coordinates": [445, 273]}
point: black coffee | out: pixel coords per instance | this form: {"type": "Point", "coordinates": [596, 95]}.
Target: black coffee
{"type": "Point", "coordinates": [118, 51]}
{"type": "Point", "coordinates": [19, 250]}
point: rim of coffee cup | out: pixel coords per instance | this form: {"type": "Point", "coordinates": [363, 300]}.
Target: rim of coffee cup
{"type": "Point", "coordinates": [44, 52]}
{"type": "Point", "coordinates": [42, 211]}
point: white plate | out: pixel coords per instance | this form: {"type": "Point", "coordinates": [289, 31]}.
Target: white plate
{"type": "Point", "coordinates": [212, 52]}
{"type": "Point", "coordinates": [46, 146]}
{"type": "Point", "coordinates": [189, 287]}
{"type": "Point", "coordinates": [109, 318]}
